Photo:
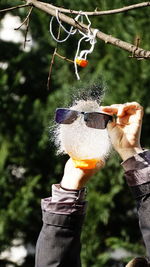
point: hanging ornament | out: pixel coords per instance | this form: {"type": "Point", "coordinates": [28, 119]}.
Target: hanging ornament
{"type": "Point", "coordinates": [81, 62]}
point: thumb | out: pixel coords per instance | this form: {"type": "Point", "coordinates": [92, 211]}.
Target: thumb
{"type": "Point", "coordinates": [113, 131]}
{"type": "Point", "coordinates": [110, 126]}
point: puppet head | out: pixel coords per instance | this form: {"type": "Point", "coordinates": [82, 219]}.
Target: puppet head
{"type": "Point", "coordinates": [86, 146]}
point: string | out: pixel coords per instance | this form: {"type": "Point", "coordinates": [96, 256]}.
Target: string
{"type": "Point", "coordinates": [76, 56]}
{"type": "Point", "coordinates": [92, 40]}
{"type": "Point", "coordinates": [70, 32]}
{"type": "Point", "coordinates": [57, 40]}
{"type": "Point", "coordinates": [90, 37]}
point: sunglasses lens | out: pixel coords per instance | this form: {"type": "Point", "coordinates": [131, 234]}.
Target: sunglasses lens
{"type": "Point", "coordinates": [97, 120]}
{"type": "Point", "coordinates": [65, 116]}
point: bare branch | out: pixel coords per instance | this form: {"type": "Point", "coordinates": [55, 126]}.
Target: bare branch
{"type": "Point", "coordinates": [52, 61]}
{"type": "Point", "coordinates": [15, 7]}
{"type": "Point", "coordinates": [26, 32]}
{"type": "Point", "coordinates": [84, 28]}
{"type": "Point", "coordinates": [100, 13]}
{"type": "Point", "coordinates": [50, 9]}
{"type": "Point", "coordinates": [64, 58]}
{"type": "Point", "coordinates": [26, 19]}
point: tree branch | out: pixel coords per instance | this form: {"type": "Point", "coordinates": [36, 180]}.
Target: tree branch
{"type": "Point", "coordinates": [50, 9]}
{"type": "Point", "coordinates": [15, 7]}
{"type": "Point", "coordinates": [100, 13]}
{"type": "Point", "coordinates": [26, 19]}
{"type": "Point", "coordinates": [52, 61]}
{"type": "Point", "coordinates": [64, 58]}
{"type": "Point", "coordinates": [138, 52]}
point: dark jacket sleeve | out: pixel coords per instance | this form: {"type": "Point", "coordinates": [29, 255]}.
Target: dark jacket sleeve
{"type": "Point", "coordinates": [144, 220]}
{"type": "Point", "coordinates": [138, 178]}
{"type": "Point", "coordinates": [59, 240]}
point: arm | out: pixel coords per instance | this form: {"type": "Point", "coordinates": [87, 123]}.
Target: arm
{"type": "Point", "coordinates": [137, 173]}
{"type": "Point", "coordinates": [125, 136]}
{"type": "Point", "coordinates": [63, 214]}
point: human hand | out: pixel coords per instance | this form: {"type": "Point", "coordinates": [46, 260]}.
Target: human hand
{"type": "Point", "coordinates": [76, 178]}
{"type": "Point", "coordinates": [139, 261]}
{"type": "Point", "coordinates": [125, 131]}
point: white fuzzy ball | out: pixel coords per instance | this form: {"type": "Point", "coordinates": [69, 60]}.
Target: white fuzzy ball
{"type": "Point", "coordinates": [80, 141]}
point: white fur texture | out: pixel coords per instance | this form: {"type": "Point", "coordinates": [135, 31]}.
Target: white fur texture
{"type": "Point", "coordinates": [80, 141]}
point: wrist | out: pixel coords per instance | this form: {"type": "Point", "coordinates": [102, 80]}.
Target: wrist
{"type": "Point", "coordinates": [126, 153]}
{"type": "Point", "coordinates": [72, 183]}
{"type": "Point", "coordinates": [76, 178]}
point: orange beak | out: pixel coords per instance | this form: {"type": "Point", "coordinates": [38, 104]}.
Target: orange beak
{"type": "Point", "coordinates": [82, 62]}
{"type": "Point", "coordinates": [85, 164]}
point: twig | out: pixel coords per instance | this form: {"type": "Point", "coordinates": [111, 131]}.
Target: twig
{"type": "Point", "coordinates": [26, 19]}
{"type": "Point", "coordinates": [52, 61]}
{"type": "Point", "coordinates": [100, 13]}
{"type": "Point", "coordinates": [137, 43]}
{"type": "Point", "coordinates": [15, 7]}
{"type": "Point", "coordinates": [79, 24]}
{"type": "Point", "coordinates": [64, 58]}
{"type": "Point", "coordinates": [26, 33]}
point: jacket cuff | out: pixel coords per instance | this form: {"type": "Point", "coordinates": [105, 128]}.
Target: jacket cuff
{"type": "Point", "coordinates": [138, 161]}
{"type": "Point", "coordinates": [60, 194]}
{"type": "Point", "coordinates": [63, 207]}
{"type": "Point", "coordinates": [137, 174]}
{"type": "Point", "coordinates": [66, 221]}
{"type": "Point", "coordinates": [137, 169]}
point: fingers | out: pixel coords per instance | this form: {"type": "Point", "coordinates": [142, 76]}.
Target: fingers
{"type": "Point", "coordinates": [129, 109]}
{"type": "Point", "coordinates": [124, 109]}
{"type": "Point", "coordinates": [110, 109]}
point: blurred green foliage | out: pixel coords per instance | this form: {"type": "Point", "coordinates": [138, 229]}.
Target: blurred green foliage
{"type": "Point", "coordinates": [28, 162]}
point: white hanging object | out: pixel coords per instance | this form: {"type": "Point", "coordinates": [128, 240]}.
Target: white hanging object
{"type": "Point", "coordinates": [80, 57]}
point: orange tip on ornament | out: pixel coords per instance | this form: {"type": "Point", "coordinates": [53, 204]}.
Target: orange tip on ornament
{"type": "Point", "coordinates": [85, 164]}
{"type": "Point", "coordinates": [81, 62]}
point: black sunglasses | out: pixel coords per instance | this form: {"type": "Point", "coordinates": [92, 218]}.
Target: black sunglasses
{"type": "Point", "coordinates": [97, 120]}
